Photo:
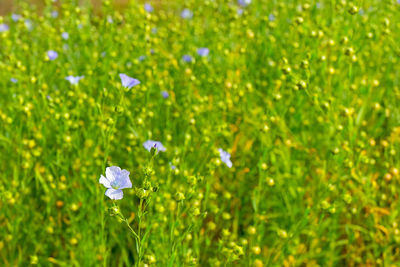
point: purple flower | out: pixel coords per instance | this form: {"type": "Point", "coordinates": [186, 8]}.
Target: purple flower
{"type": "Point", "coordinates": [244, 2]}
{"type": "Point", "coordinates": [13, 80]}
{"type": "Point", "coordinates": [148, 7]}
{"type": "Point", "coordinates": [54, 14]}
{"type": "Point", "coordinates": [74, 79]}
{"type": "Point", "coordinates": [141, 58]}
{"type": "Point", "coordinates": [203, 52]}
{"type": "Point", "coordinates": [271, 17]}
{"type": "Point", "coordinates": [240, 11]}
{"type": "Point", "coordinates": [52, 54]}
{"type": "Point", "coordinates": [4, 27]}
{"type": "Point", "coordinates": [154, 30]}
{"type": "Point", "coordinates": [156, 144]}
{"type": "Point", "coordinates": [186, 14]}
{"type": "Point", "coordinates": [65, 35]}
{"type": "Point", "coordinates": [15, 17]}
{"type": "Point", "coordinates": [164, 94]}
{"type": "Point", "coordinates": [187, 58]}
{"type": "Point", "coordinates": [115, 180]}
{"type": "Point", "coordinates": [225, 157]}
{"type": "Point", "coordinates": [127, 81]}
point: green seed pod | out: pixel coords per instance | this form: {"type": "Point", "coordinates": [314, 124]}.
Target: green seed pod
{"type": "Point", "coordinates": [304, 64]}
{"type": "Point", "coordinates": [302, 84]}
{"type": "Point", "coordinates": [179, 196]}
{"type": "Point", "coordinates": [353, 10]}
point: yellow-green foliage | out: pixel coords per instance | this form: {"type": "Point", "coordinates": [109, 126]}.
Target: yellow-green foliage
{"type": "Point", "coordinates": [304, 95]}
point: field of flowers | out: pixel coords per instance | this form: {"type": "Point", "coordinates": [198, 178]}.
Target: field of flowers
{"type": "Point", "coordinates": [200, 133]}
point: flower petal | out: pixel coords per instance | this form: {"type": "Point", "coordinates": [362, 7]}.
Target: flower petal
{"type": "Point", "coordinates": [103, 180]}
{"type": "Point", "coordinates": [150, 143]}
{"type": "Point", "coordinates": [123, 179]}
{"type": "Point", "coordinates": [112, 173]}
{"type": "Point", "coordinates": [125, 182]}
{"type": "Point", "coordinates": [114, 193]}
{"type": "Point", "coordinates": [228, 163]}
{"type": "Point", "coordinates": [127, 81]}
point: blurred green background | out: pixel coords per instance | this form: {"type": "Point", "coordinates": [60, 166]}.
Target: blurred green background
{"type": "Point", "coordinates": [7, 6]}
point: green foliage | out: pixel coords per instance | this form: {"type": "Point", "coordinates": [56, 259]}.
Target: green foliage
{"type": "Point", "coordinates": [303, 95]}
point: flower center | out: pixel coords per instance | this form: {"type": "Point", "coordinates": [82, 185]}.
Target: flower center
{"type": "Point", "coordinates": [115, 185]}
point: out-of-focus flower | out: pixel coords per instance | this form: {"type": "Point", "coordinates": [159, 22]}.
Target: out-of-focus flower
{"type": "Point", "coordinates": [74, 79]}
{"type": "Point", "coordinates": [244, 2]}
{"type": "Point", "coordinates": [54, 14]}
{"type": "Point", "coordinates": [115, 180]}
{"type": "Point", "coordinates": [28, 24]}
{"type": "Point", "coordinates": [271, 17]}
{"type": "Point", "coordinates": [65, 35]}
{"type": "Point", "coordinates": [15, 17]}
{"type": "Point", "coordinates": [164, 94]}
{"type": "Point", "coordinates": [186, 14]}
{"type": "Point", "coordinates": [52, 54]}
{"type": "Point", "coordinates": [225, 157]}
{"type": "Point", "coordinates": [156, 144]}
{"type": "Point", "coordinates": [203, 52]}
{"type": "Point", "coordinates": [13, 80]}
{"type": "Point", "coordinates": [187, 58]}
{"type": "Point", "coordinates": [148, 7]}
{"type": "Point", "coordinates": [127, 81]}
{"type": "Point", "coordinates": [173, 167]}
{"type": "Point", "coordinates": [4, 27]}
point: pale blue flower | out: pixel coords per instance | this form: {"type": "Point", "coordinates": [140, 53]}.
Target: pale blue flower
{"type": "Point", "coordinates": [28, 24]}
{"type": "Point", "coordinates": [52, 54]}
{"type": "Point", "coordinates": [115, 180]}
{"type": "Point", "coordinates": [187, 58]}
{"type": "Point", "coordinates": [4, 27]}
{"type": "Point", "coordinates": [13, 80]}
{"type": "Point", "coordinates": [15, 17]}
{"type": "Point", "coordinates": [156, 144]}
{"type": "Point", "coordinates": [164, 94]}
{"type": "Point", "coordinates": [65, 35]}
{"type": "Point", "coordinates": [186, 14]}
{"type": "Point", "coordinates": [271, 17]}
{"type": "Point", "coordinates": [54, 14]}
{"type": "Point", "coordinates": [203, 52]}
{"type": "Point", "coordinates": [244, 2]}
{"type": "Point", "coordinates": [127, 81]}
{"type": "Point", "coordinates": [240, 11]}
{"type": "Point", "coordinates": [225, 157]}
{"type": "Point", "coordinates": [148, 7]}
{"type": "Point", "coordinates": [74, 79]}
{"type": "Point", "coordinates": [173, 167]}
